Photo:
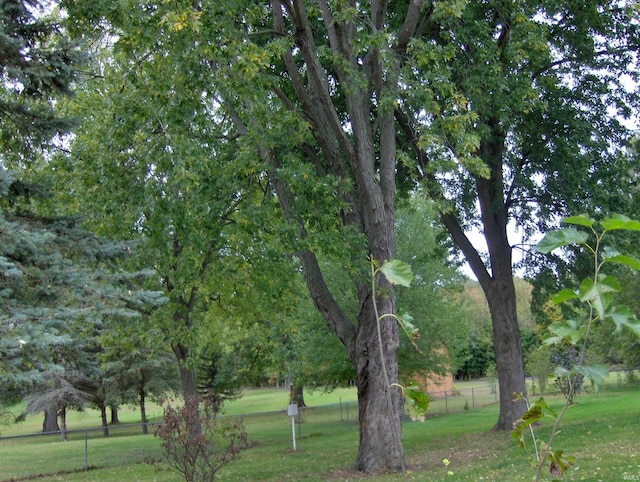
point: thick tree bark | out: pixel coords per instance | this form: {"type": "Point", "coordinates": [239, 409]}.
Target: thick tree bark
{"type": "Point", "coordinates": [379, 403]}
{"type": "Point", "coordinates": [364, 156]}
{"type": "Point", "coordinates": [367, 159]}
{"type": "Point", "coordinates": [496, 280]}
{"type": "Point", "coordinates": [297, 395]}
{"type": "Point", "coordinates": [501, 298]}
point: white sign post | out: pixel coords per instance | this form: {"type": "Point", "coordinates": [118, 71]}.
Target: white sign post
{"type": "Point", "coordinates": [292, 411]}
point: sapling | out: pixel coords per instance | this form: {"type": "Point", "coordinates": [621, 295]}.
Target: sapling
{"type": "Point", "coordinates": [398, 273]}
{"type": "Point", "coordinates": [596, 293]}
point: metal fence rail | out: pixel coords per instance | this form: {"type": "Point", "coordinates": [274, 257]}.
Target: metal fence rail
{"type": "Point", "coordinates": [28, 456]}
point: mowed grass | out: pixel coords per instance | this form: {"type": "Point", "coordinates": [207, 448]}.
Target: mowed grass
{"type": "Point", "coordinates": [602, 431]}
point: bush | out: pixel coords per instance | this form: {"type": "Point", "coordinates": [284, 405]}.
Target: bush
{"type": "Point", "coordinates": [197, 443]}
{"type": "Point", "coordinates": [540, 366]}
{"type": "Point", "coordinates": [567, 359]}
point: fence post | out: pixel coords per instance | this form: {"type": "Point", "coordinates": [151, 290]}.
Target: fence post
{"type": "Point", "coordinates": [86, 450]}
{"type": "Point", "coordinates": [341, 419]}
{"type": "Point", "coordinates": [473, 398]}
{"type": "Point", "coordinates": [446, 403]}
{"type": "Point", "coordinates": [348, 421]}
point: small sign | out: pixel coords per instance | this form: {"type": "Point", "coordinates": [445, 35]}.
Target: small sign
{"type": "Point", "coordinates": [292, 410]}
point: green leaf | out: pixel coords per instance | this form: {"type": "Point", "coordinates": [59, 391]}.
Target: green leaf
{"type": "Point", "coordinates": [623, 316]}
{"type": "Point", "coordinates": [397, 272]}
{"type": "Point", "coordinates": [609, 252]}
{"type": "Point", "coordinates": [626, 260]}
{"type": "Point", "coordinates": [419, 402]}
{"type": "Point", "coordinates": [531, 416]}
{"type": "Point", "coordinates": [595, 373]}
{"type": "Point", "coordinates": [580, 220]}
{"type": "Point", "coordinates": [536, 412]}
{"type": "Point", "coordinates": [598, 293]}
{"type": "Point", "coordinates": [406, 322]}
{"type": "Point", "coordinates": [564, 295]}
{"type": "Point", "coordinates": [570, 330]}
{"type": "Point", "coordinates": [562, 237]}
{"type": "Point", "coordinates": [546, 408]}
{"type": "Point", "coordinates": [559, 463]}
{"type": "Point", "coordinates": [620, 221]}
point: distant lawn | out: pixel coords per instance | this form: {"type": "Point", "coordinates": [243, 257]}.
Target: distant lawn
{"type": "Point", "coordinates": [253, 400]}
{"type": "Point", "coordinates": [602, 431]}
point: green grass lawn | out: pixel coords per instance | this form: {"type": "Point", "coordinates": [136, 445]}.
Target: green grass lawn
{"type": "Point", "coordinates": [602, 431]}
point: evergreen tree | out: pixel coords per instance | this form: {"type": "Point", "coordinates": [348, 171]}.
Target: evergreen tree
{"type": "Point", "coordinates": [38, 66]}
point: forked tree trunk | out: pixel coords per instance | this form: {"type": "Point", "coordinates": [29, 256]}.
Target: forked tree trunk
{"type": "Point", "coordinates": [363, 155]}
{"type": "Point", "coordinates": [496, 280]}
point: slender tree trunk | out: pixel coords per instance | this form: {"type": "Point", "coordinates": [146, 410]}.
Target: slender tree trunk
{"type": "Point", "coordinates": [63, 424]}
{"type": "Point", "coordinates": [103, 416]}
{"type": "Point", "coordinates": [143, 412]}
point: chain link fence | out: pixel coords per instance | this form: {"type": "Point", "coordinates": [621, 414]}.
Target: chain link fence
{"type": "Point", "coordinates": [33, 455]}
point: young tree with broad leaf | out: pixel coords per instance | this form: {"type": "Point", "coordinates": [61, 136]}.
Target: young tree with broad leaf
{"type": "Point", "coordinates": [593, 304]}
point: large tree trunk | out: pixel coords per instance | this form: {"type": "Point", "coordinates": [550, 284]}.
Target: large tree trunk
{"type": "Point", "coordinates": [364, 156]}
{"type": "Point", "coordinates": [297, 395]}
{"type": "Point", "coordinates": [501, 298]}
{"type": "Point", "coordinates": [497, 280]}
{"type": "Point", "coordinates": [379, 404]}
{"type": "Point", "coordinates": [187, 375]}
{"type": "Point", "coordinates": [499, 288]}
{"type": "Point", "coordinates": [500, 293]}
